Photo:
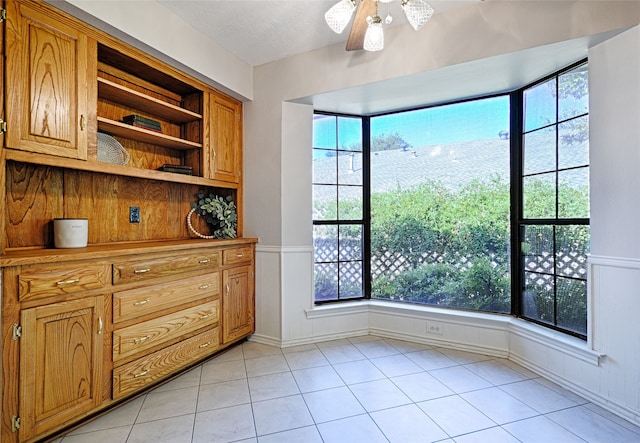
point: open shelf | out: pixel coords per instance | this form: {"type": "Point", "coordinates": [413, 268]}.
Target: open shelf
{"type": "Point", "coordinates": [144, 135]}
{"type": "Point", "coordinates": [116, 93]}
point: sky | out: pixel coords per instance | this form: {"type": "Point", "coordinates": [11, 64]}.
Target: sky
{"type": "Point", "coordinates": [473, 120]}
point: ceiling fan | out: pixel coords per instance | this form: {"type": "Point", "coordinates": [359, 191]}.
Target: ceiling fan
{"type": "Point", "coordinates": [366, 31]}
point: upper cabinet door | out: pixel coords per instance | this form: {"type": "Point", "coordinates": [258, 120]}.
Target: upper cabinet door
{"type": "Point", "coordinates": [225, 126]}
{"type": "Point", "coordinates": [47, 69]}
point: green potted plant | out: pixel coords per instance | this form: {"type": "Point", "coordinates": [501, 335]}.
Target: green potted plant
{"type": "Point", "coordinates": [219, 212]}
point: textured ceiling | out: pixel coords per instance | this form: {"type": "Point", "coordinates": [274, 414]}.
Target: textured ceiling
{"type": "Point", "coordinates": [261, 31]}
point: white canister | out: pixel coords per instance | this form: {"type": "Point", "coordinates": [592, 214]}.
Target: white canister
{"type": "Point", "coordinates": [70, 232]}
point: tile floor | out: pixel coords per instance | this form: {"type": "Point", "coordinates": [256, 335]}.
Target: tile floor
{"type": "Point", "coordinates": [364, 389]}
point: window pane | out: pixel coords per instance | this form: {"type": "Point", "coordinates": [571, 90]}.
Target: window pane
{"type": "Point", "coordinates": [539, 196]}
{"type": "Point", "coordinates": [324, 202]}
{"type": "Point", "coordinates": [573, 93]}
{"type": "Point", "coordinates": [572, 247]}
{"type": "Point", "coordinates": [540, 105]}
{"type": "Point", "coordinates": [324, 131]}
{"type": "Point", "coordinates": [325, 167]}
{"type": "Point", "coordinates": [573, 143]}
{"type": "Point", "coordinates": [538, 298]}
{"type": "Point", "coordinates": [350, 202]}
{"type": "Point", "coordinates": [572, 304]}
{"type": "Point", "coordinates": [350, 133]}
{"type": "Point", "coordinates": [350, 168]}
{"type": "Point", "coordinates": [537, 249]}
{"type": "Point", "coordinates": [325, 243]}
{"type": "Point", "coordinates": [540, 151]}
{"type": "Point", "coordinates": [350, 242]}
{"type": "Point", "coordinates": [440, 206]}
{"type": "Point", "coordinates": [351, 280]}
{"type": "Point", "coordinates": [326, 281]}
{"type": "Point", "coordinates": [573, 193]}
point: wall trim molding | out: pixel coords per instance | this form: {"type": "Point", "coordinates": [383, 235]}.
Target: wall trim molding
{"type": "Point", "coordinates": [614, 262]}
{"type": "Point", "coordinates": [272, 249]}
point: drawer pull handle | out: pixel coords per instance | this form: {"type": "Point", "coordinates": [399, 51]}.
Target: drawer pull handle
{"type": "Point", "coordinates": [204, 261]}
{"type": "Point", "coordinates": [141, 339]}
{"type": "Point", "coordinates": [100, 325]}
{"type": "Point", "coordinates": [239, 255]}
{"type": "Point", "coordinates": [68, 282]}
{"type": "Point", "coordinates": [205, 316]}
{"type": "Point", "coordinates": [204, 345]}
{"type": "Point", "coordinates": [204, 287]}
{"type": "Point", "coordinates": [140, 303]}
{"type": "Point", "coordinates": [228, 288]}
{"type": "Point", "coordinates": [141, 374]}
{"type": "Point", "coordinates": [141, 271]}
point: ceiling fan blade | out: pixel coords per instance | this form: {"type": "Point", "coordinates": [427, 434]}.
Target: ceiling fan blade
{"type": "Point", "coordinates": [365, 9]}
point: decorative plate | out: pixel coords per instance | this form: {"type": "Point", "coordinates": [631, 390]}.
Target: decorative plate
{"type": "Point", "coordinates": [111, 151]}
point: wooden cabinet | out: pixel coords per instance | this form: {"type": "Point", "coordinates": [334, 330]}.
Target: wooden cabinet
{"type": "Point", "coordinates": [88, 331]}
{"type": "Point", "coordinates": [225, 126]}
{"type": "Point", "coordinates": [61, 351]}
{"type": "Point", "coordinates": [84, 329]}
{"type": "Point", "coordinates": [47, 77]}
{"type": "Point", "coordinates": [238, 303]}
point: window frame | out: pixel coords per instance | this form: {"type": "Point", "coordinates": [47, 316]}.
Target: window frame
{"type": "Point", "coordinates": [517, 133]}
{"type": "Point", "coordinates": [364, 221]}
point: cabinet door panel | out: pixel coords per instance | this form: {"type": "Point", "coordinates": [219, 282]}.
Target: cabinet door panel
{"type": "Point", "coordinates": [47, 84]}
{"type": "Point", "coordinates": [60, 363]}
{"type": "Point", "coordinates": [237, 303]}
{"type": "Point", "coordinates": [226, 133]}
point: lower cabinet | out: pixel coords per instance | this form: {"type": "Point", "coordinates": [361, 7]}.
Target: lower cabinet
{"type": "Point", "coordinates": [77, 348]}
{"type": "Point", "coordinates": [61, 358]}
{"type": "Point", "coordinates": [237, 303]}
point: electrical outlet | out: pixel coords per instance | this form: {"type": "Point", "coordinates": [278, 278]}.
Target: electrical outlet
{"type": "Point", "coordinates": [134, 214]}
{"type": "Point", "coordinates": [434, 328]}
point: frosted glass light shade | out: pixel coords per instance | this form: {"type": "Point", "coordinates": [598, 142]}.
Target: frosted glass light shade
{"type": "Point", "coordinates": [374, 37]}
{"type": "Point", "coordinates": [338, 16]}
{"type": "Point", "coordinates": [418, 12]}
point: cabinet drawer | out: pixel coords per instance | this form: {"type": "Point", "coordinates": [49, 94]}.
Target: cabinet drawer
{"type": "Point", "coordinates": [139, 373]}
{"type": "Point", "coordinates": [234, 256]}
{"type": "Point", "coordinates": [44, 281]}
{"type": "Point", "coordinates": [146, 335]}
{"type": "Point", "coordinates": [161, 266]}
{"type": "Point", "coordinates": [135, 303]}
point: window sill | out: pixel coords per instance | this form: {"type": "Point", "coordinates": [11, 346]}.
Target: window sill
{"type": "Point", "coordinates": [513, 327]}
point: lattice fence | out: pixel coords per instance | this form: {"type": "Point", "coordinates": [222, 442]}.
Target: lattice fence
{"type": "Point", "coordinates": [569, 264]}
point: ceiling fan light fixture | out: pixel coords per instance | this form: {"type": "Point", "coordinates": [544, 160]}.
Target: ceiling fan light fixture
{"type": "Point", "coordinates": [338, 16]}
{"type": "Point", "coordinates": [374, 37]}
{"type": "Point", "coordinates": [418, 12]}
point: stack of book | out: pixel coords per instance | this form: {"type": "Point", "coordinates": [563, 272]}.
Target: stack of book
{"type": "Point", "coordinates": [180, 169]}
{"type": "Point", "coordinates": [142, 122]}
